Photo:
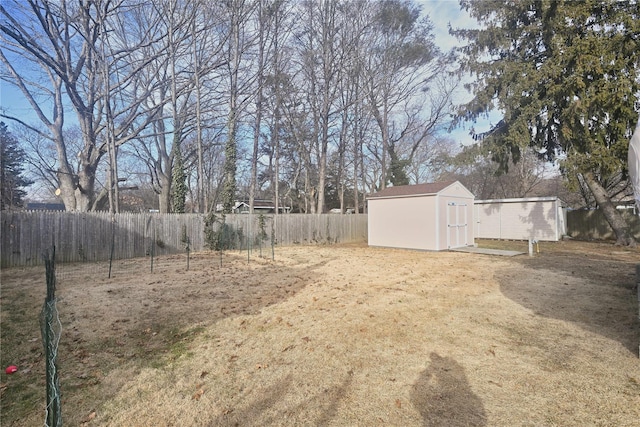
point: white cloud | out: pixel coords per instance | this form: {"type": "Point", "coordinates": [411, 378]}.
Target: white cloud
{"type": "Point", "coordinates": [445, 13]}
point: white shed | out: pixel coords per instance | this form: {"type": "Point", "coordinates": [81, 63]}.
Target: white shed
{"type": "Point", "coordinates": [538, 218]}
{"type": "Point", "coordinates": [436, 216]}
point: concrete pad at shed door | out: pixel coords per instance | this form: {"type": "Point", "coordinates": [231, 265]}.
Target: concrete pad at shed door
{"type": "Point", "coordinates": [485, 251]}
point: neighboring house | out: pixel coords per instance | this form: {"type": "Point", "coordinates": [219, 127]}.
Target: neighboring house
{"type": "Point", "coordinates": [434, 216]}
{"type": "Point", "coordinates": [347, 211]}
{"type": "Point", "coordinates": [629, 205]}
{"type": "Point", "coordinates": [259, 207]}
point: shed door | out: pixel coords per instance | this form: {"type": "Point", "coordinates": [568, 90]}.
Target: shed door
{"type": "Point", "coordinates": [456, 225]}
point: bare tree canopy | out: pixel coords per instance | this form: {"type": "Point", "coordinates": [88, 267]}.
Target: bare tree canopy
{"type": "Point", "coordinates": [309, 104]}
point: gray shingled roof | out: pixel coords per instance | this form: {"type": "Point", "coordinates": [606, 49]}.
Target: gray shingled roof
{"type": "Point", "coordinates": [412, 190]}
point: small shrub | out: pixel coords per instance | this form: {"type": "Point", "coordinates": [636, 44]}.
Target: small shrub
{"type": "Point", "coordinates": [228, 237]}
{"type": "Point", "coordinates": [262, 232]}
{"type": "Point", "coordinates": [220, 236]}
{"type": "Point", "coordinates": [210, 232]}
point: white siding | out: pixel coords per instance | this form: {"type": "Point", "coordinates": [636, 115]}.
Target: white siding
{"type": "Point", "coordinates": [519, 219]}
{"type": "Point", "coordinates": [406, 222]}
{"type": "Point", "coordinates": [421, 221]}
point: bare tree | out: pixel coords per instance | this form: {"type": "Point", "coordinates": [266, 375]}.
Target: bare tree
{"type": "Point", "coordinates": [262, 16]}
{"type": "Point", "coordinates": [400, 62]}
{"type": "Point", "coordinates": [321, 57]}
{"type": "Point", "coordinates": [63, 42]}
{"type": "Point", "coordinates": [474, 167]}
{"type": "Point", "coordinates": [323, 88]}
{"type": "Point", "coordinates": [432, 160]}
{"type": "Point", "coordinates": [238, 13]}
{"type": "Point", "coordinates": [206, 49]}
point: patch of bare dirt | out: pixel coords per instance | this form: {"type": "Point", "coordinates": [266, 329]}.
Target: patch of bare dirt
{"type": "Point", "coordinates": [335, 335]}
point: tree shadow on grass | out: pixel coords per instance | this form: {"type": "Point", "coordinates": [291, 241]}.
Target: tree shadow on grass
{"type": "Point", "coordinates": [328, 400]}
{"type": "Point", "coordinates": [253, 412]}
{"type": "Point", "coordinates": [593, 291]}
{"type": "Point", "coordinates": [443, 396]}
{"type": "Point", "coordinates": [134, 320]}
{"type": "Point", "coordinates": [150, 318]}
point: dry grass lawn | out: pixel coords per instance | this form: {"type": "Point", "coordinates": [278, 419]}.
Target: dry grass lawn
{"type": "Point", "coordinates": [335, 335]}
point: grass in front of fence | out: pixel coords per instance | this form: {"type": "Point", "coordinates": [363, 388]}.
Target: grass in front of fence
{"type": "Point", "coordinates": [85, 360]}
{"type": "Point", "coordinates": [344, 335]}
{"type": "Point", "coordinates": [21, 346]}
{"type": "Point", "coordinates": [507, 245]}
{"type": "Point", "coordinates": [115, 327]}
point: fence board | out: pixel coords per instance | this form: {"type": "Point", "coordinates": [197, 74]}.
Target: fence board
{"type": "Point", "coordinates": [591, 224]}
{"type": "Point", "coordinates": [87, 236]}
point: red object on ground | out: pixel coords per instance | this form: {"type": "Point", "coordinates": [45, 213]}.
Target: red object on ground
{"type": "Point", "coordinates": [11, 369]}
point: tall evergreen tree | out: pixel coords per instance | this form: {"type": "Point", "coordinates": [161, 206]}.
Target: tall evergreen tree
{"type": "Point", "coordinates": [12, 180]}
{"type": "Point", "coordinates": [565, 75]}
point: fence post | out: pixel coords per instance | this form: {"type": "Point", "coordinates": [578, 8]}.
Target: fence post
{"type": "Point", "coordinates": [273, 238]}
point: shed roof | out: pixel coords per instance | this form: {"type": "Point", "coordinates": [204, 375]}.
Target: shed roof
{"type": "Point", "coordinates": [412, 190]}
{"type": "Point", "coordinates": [520, 200]}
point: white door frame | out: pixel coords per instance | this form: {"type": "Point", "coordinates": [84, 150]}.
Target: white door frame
{"type": "Point", "coordinates": [457, 225]}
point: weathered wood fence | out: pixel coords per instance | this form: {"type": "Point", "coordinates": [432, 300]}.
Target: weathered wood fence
{"type": "Point", "coordinates": [88, 236]}
{"type": "Point", "coordinates": [592, 225]}
{"type": "Point", "coordinates": [91, 236]}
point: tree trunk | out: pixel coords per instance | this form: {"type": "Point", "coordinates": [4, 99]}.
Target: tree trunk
{"type": "Point", "coordinates": [615, 220]}
{"type": "Point", "coordinates": [309, 201]}
{"type": "Point", "coordinates": [276, 116]}
{"type": "Point", "coordinates": [162, 166]}
{"type": "Point", "coordinates": [357, 148]}
{"type": "Point", "coordinates": [382, 121]}
{"type": "Point", "coordinates": [164, 198]}
{"type": "Point", "coordinates": [201, 200]}
{"type": "Point", "coordinates": [340, 184]}
{"type": "Point", "coordinates": [385, 145]}
{"type": "Point", "coordinates": [258, 121]}
{"type": "Point", "coordinates": [231, 154]}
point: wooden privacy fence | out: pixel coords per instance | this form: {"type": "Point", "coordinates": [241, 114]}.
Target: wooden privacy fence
{"type": "Point", "coordinates": [92, 236]}
{"type": "Point", "coordinates": [592, 225]}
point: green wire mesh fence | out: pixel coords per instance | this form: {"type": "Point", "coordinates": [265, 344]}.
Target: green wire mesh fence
{"type": "Point", "coordinates": [51, 329]}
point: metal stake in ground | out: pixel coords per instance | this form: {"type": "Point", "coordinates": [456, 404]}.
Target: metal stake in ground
{"type": "Point", "coordinates": [113, 240]}
{"type": "Point", "coordinates": [153, 247]}
{"type": "Point", "coordinates": [273, 238]}
{"type": "Point", "coordinates": [51, 329]}
{"type": "Point", "coordinates": [188, 248]}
